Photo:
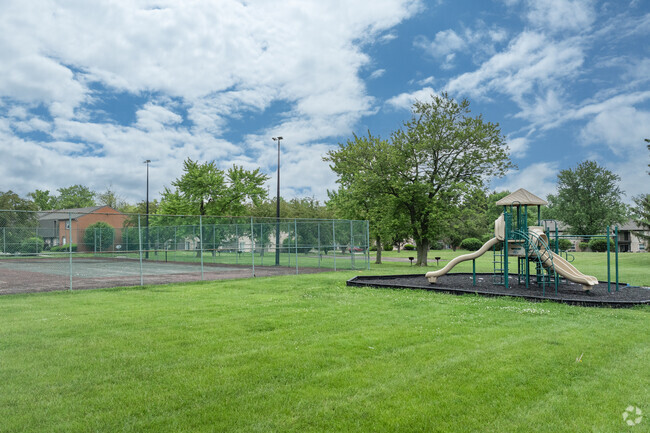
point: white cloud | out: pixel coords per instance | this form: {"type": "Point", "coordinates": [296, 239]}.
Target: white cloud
{"type": "Point", "coordinates": [622, 130]}
{"type": "Point", "coordinates": [444, 43]}
{"type": "Point", "coordinates": [220, 60]}
{"type": "Point", "coordinates": [406, 100]}
{"type": "Point", "coordinates": [561, 15]}
{"type": "Point", "coordinates": [538, 178]}
{"type": "Point", "coordinates": [518, 146]}
{"type": "Point", "coordinates": [377, 74]}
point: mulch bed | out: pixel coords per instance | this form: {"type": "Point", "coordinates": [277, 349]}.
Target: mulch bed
{"type": "Point", "coordinates": [568, 292]}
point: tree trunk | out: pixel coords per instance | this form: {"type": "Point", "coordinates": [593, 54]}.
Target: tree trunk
{"type": "Point", "coordinates": [379, 248]}
{"type": "Point", "coordinates": [423, 250]}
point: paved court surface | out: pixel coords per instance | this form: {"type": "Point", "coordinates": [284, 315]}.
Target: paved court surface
{"type": "Point", "coordinates": [41, 275]}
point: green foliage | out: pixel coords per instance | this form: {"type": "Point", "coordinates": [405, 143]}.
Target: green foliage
{"type": "Point", "coordinates": [43, 200]}
{"type": "Point", "coordinates": [33, 245]}
{"type": "Point", "coordinates": [471, 244]}
{"type": "Point", "coordinates": [439, 154]}
{"type": "Point", "coordinates": [599, 245]}
{"type": "Point", "coordinates": [63, 248]}
{"type": "Point", "coordinates": [99, 236]}
{"type": "Point", "coordinates": [75, 196]}
{"type": "Point", "coordinates": [409, 247]}
{"type": "Point", "coordinates": [583, 246]}
{"type": "Point", "coordinates": [588, 199]}
{"type": "Point", "coordinates": [388, 247]}
{"type": "Point", "coordinates": [564, 244]}
{"type": "Point", "coordinates": [204, 189]}
{"type": "Point", "coordinates": [641, 216]}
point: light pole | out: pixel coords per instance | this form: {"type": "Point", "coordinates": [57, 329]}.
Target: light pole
{"type": "Point", "coordinates": [148, 161]}
{"type": "Point", "coordinates": [277, 209]}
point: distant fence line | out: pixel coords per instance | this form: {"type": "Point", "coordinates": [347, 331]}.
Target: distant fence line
{"type": "Point", "coordinates": [69, 242]}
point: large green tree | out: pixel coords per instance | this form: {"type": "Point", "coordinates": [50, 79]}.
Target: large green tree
{"type": "Point", "coordinates": [588, 199]}
{"type": "Point", "coordinates": [641, 213]}
{"type": "Point", "coordinates": [42, 199]}
{"type": "Point", "coordinates": [204, 189]}
{"type": "Point", "coordinates": [75, 196]}
{"type": "Point", "coordinates": [437, 156]}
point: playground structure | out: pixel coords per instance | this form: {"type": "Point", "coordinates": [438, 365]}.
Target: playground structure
{"type": "Point", "coordinates": [530, 244]}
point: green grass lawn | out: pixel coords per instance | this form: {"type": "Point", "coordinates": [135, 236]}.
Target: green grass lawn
{"type": "Point", "coordinates": [306, 353]}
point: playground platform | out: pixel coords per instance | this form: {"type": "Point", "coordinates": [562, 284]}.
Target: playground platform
{"type": "Point", "coordinates": [567, 292]}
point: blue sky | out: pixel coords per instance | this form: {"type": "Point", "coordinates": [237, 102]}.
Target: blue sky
{"type": "Point", "coordinates": [89, 90]}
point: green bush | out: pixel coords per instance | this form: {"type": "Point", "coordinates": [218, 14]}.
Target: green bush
{"type": "Point", "coordinates": [99, 236]}
{"type": "Point", "coordinates": [583, 246]}
{"type": "Point", "coordinates": [437, 246]}
{"type": "Point", "coordinates": [599, 245]}
{"type": "Point", "coordinates": [471, 244]}
{"type": "Point", "coordinates": [388, 248]}
{"type": "Point", "coordinates": [564, 244]}
{"type": "Point", "coordinates": [63, 248]}
{"type": "Point", "coordinates": [409, 247]}
{"type": "Point", "coordinates": [33, 245]}
{"type": "Point", "coordinates": [373, 248]}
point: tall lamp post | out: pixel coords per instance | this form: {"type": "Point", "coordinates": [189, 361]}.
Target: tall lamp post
{"type": "Point", "coordinates": [277, 209]}
{"type": "Point", "coordinates": [148, 161]}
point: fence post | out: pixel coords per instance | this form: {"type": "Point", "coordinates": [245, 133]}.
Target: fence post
{"type": "Point", "coordinates": [351, 246]}
{"type": "Point", "coordinates": [368, 244]}
{"type": "Point", "coordinates": [70, 245]}
{"type": "Point", "coordinates": [319, 244]}
{"type": "Point", "coordinates": [201, 243]}
{"type": "Point", "coordinates": [334, 243]}
{"type": "Point", "coordinates": [295, 232]}
{"type": "Point", "coordinates": [4, 240]}
{"type": "Point", "coordinates": [237, 246]}
{"type": "Point", "coordinates": [253, 245]}
{"type": "Point", "coordinates": [140, 250]}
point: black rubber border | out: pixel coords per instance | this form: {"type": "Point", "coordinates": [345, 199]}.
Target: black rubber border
{"type": "Point", "coordinates": [358, 281]}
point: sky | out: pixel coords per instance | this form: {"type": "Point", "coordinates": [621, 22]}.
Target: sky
{"type": "Point", "coordinates": [89, 90]}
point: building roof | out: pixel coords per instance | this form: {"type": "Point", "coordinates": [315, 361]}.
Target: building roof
{"type": "Point", "coordinates": [521, 197]}
{"type": "Point", "coordinates": [64, 214]}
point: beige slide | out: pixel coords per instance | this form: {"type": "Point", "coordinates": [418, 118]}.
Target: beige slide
{"type": "Point", "coordinates": [568, 271]}
{"type": "Point", "coordinates": [433, 275]}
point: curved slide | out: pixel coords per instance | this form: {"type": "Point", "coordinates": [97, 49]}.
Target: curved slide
{"type": "Point", "coordinates": [568, 271]}
{"type": "Point", "coordinates": [433, 275]}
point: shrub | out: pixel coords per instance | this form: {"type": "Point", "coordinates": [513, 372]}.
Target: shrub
{"type": "Point", "coordinates": [471, 244]}
{"type": "Point", "coordinates": [409, 247]}
{"type": "Point", "coordinates": [388, 248]}
{"type": "Point", "coordinates": [63, 248]}
{"type": "Point", "coordinates": [99, 236]}
{"type": "Point", "coordinates": [373, 248]}
{"type": "Point", "coordinates": [437, 246]}
{"type": "Point", "coordinates": [564, 244]}
{"type": "Point", "coordinates": [33, 245]}
{"type": "Point", "coordinates": [583, 246]}
{"type": "Point", "coordinates": [599, 245]}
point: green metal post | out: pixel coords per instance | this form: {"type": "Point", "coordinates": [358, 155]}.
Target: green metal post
{"type": "Point", "coordinates": [616, 254]}
{"type": "Point", "coordinates": [368, 243]}
{"type": "Point", "coordinates": [508, 220]}
{"type": "Point", "coordinates": [200, 242]}
{"type": "Point", "coordinates": [253, 245]}
{"type": "Point", "coordinates": [608, 264]}
{"type": "Point", "coordinates": [140, 250]}
{"type": "Point", "coordinates": [351, 246]}
{"type": "Point", "coordinates": [319, 244]}
{"type": "Point", "coordinates": [473, 272]}
{"type": "Point", "coordinates": [70, 245]}
{"type": "Point", "coordinates": [295, 232]}
{"type": "Point", "coordinates": [334, 243]}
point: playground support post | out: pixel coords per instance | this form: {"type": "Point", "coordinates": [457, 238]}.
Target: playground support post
{"type": "Point", "coordinates": [608, 265]}
{"type": "Point", "coordinates": [473, 272]}
{"type": "Point", "coordinates": [616, 254]}
{"type": "Point", "coordinates": [200, 242]}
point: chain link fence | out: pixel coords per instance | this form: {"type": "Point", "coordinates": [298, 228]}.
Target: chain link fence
{"type": "Point", "coordinates": [100, 247]}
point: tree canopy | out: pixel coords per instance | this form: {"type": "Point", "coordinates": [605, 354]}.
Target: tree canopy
{"type": "Point", "coordinates": [75, 196]}
{"type": "Point", "coordinates": [204, 189]}
{"type": "Point", "coordinates": [588, 199]}
{"type": "Point", "coordinates": [440, 154]}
